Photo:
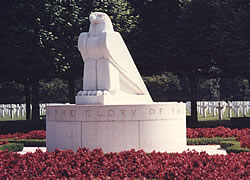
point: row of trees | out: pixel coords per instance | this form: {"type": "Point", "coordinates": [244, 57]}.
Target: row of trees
{"type": "Point", "coordinates": [163, 87]}
{"type": "Point", "coordinates": [198, 39]}
{"type": "Point", "coordinates": [39, 38]}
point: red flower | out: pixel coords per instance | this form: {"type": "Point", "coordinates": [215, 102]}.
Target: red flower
{"type": "Point", "coordinates": [3, 142]}
{"type": "Point", "coordinates": [124, 165]}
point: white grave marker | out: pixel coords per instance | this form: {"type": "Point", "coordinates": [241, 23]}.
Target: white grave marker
{"type": "Point", "coordinates": [229, 109]}
{"type": "Point", "coordinates": [204, 109]}
{"type": "Point", "coordinates": [22, 109]}
{"type": "Point", "coordinates": [237, 108]}
{"type": "Point", "coordinates": [2, 110]}
{"type": "Point", "coordinates": [244, 108]}
{"type": "Point", "coordinates": [213, 108]}
{"type": "Point", "coordinates": [220, 110]}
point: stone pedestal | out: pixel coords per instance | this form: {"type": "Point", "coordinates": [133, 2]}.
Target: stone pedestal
{"type": "Point", "coordinates": [114, 128]}
{"type": "Point", "coordinates": [111, 100]}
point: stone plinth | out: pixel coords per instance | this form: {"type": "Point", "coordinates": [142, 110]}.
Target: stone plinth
{"type": "Point", "coordinates": [114, 128]}
{"type": "Point", "coordinates": [113, 100]}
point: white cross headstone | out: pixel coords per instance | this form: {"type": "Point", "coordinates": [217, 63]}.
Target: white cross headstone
{"type": "Point", "coordinates": [14, 110]}
{"type": "Point", "coordinates": [17, 110]}
{"type": "Point", "coordinates": [8, 109]}
{"type": "Point", "coordinates": [11, 111]}
{"type": "Point", "coordinates": [237, 108]}
{"type": "Point", "coordinates": [224, 104]}
{"type": "Point", "coordinates": [204, 109]}
{"type": "Point", "coordinates": [2, 110]}
{"type": "Point", "coordinates": [229, 108]}
{"type": "Point", "coordinates": [22, 109]}
{"type": "Point", "coordinates": [209, 107]}
{"type": "Point", "coordinates": [213, 108]}
{"type": "Point", "coordinates": [40, 108]}
{"type": "Point", "coordinates": [248, 107]}
{"type": "Point", "coordinates": [43, 109]}
{"type": "Point", "coordinates": [244, 108]}
{"type": "Point", "coordinates": [220, 110]}
{"type": "Point", "coordinates": [198, 107]}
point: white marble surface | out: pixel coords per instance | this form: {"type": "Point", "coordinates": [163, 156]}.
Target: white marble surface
{"type": "Point", "coordinates": [113, 99]}
{"type": "Point", "coordinates": [65, 135]}
{"type": "Point", "coordinates": [157, 126]}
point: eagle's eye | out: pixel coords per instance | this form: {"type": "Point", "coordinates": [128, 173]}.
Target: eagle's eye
{"type": "Point", "coordinates": [100, 15]}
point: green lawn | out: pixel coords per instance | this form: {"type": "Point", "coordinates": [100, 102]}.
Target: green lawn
{"type": "Point", "coordinates": [7, 118]}
{"type": "Point", "coordinates": [216, 118]}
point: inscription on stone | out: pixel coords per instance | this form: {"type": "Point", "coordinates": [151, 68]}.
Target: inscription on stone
{"type": "Point", "coordinates": [151, 113]}
{"type": "Point", "coordinates": [114, 113]}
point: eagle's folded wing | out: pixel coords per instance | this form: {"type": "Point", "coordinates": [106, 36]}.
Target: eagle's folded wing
{"type": "Point", "coordinates": [82, 45]}
{"type": "Point", "coordinates": [114, 49]}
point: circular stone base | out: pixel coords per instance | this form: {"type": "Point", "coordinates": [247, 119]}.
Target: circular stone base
{"type": "Point", "coordinates": [114, 128]}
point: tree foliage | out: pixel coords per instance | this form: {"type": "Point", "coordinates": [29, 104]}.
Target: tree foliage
{"type": "Point", "coordinates": [164, 87]}
{"type": "Point", "coordinates": [231, 38]}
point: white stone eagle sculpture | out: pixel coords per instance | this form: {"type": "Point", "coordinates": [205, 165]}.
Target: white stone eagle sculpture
{"type": "Point", "coordinates": [108, 66]}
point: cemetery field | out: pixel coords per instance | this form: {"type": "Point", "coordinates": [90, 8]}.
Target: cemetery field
{"type": "Point", "coordinates": [220, 110]}
{"type": "Point", "coordinates": [6, 118]}
{"type": "Point", "coordinates": [210, 117]}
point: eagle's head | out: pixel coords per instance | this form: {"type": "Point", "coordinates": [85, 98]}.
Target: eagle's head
{"type": "Point", "coordinates": [100, 22]}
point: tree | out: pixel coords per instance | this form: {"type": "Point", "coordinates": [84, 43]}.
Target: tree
{"type": "Point", "coordinates": [164, 87]}
{"type": "Point", "coordinates": [152, 37]}
{"type": "Point", "coordinates": [176, 36]}
{"type": "Point", "coordinates": [234, 89]}
{"type": "Point", "coordinates": [22, 56]}
{"type": "Point", "coordinates": [232, 39]}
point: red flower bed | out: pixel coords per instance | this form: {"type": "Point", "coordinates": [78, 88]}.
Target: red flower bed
{"type": "Point", "coordinates": [244, 140]}
{"type": "Point", "coordinates": [242, 135]}
{"type": "Point", "coordinates": [3, 142]}
{"type": "Point", "coordinates": [127, 164]}
{"type": "Point", "coordinates": [40, 134]}
{"type": "Point", "coordinates": [216, 132]}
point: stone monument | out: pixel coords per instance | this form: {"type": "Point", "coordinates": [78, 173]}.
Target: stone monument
{"type": "Point", "coordinates": [110, 75]}
{"type": "Point", "coordinates": [114, 111]}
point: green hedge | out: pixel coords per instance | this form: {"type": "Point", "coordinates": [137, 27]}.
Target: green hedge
{"type": "Point", "coordinates": [15, 147]}
{"type": "Point", "coordinates": [227, 143]}
{"type": "Point", "coordinates": [28, 142]}
{"type": "Point", "coordinates": [205, 141]}
{"type": "Point", "coordinates": [233, 146]}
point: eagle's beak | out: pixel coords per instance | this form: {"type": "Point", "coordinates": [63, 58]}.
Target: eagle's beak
{"type": "Point", "coordinates": [92, 18]}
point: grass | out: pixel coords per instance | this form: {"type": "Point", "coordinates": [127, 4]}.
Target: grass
{"type": "Point", "coordinates": [14, 147]}
{"type": "Point", "coordinates": [28, 142]}
{"type": "Point", "coordinates": [7, 118]}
